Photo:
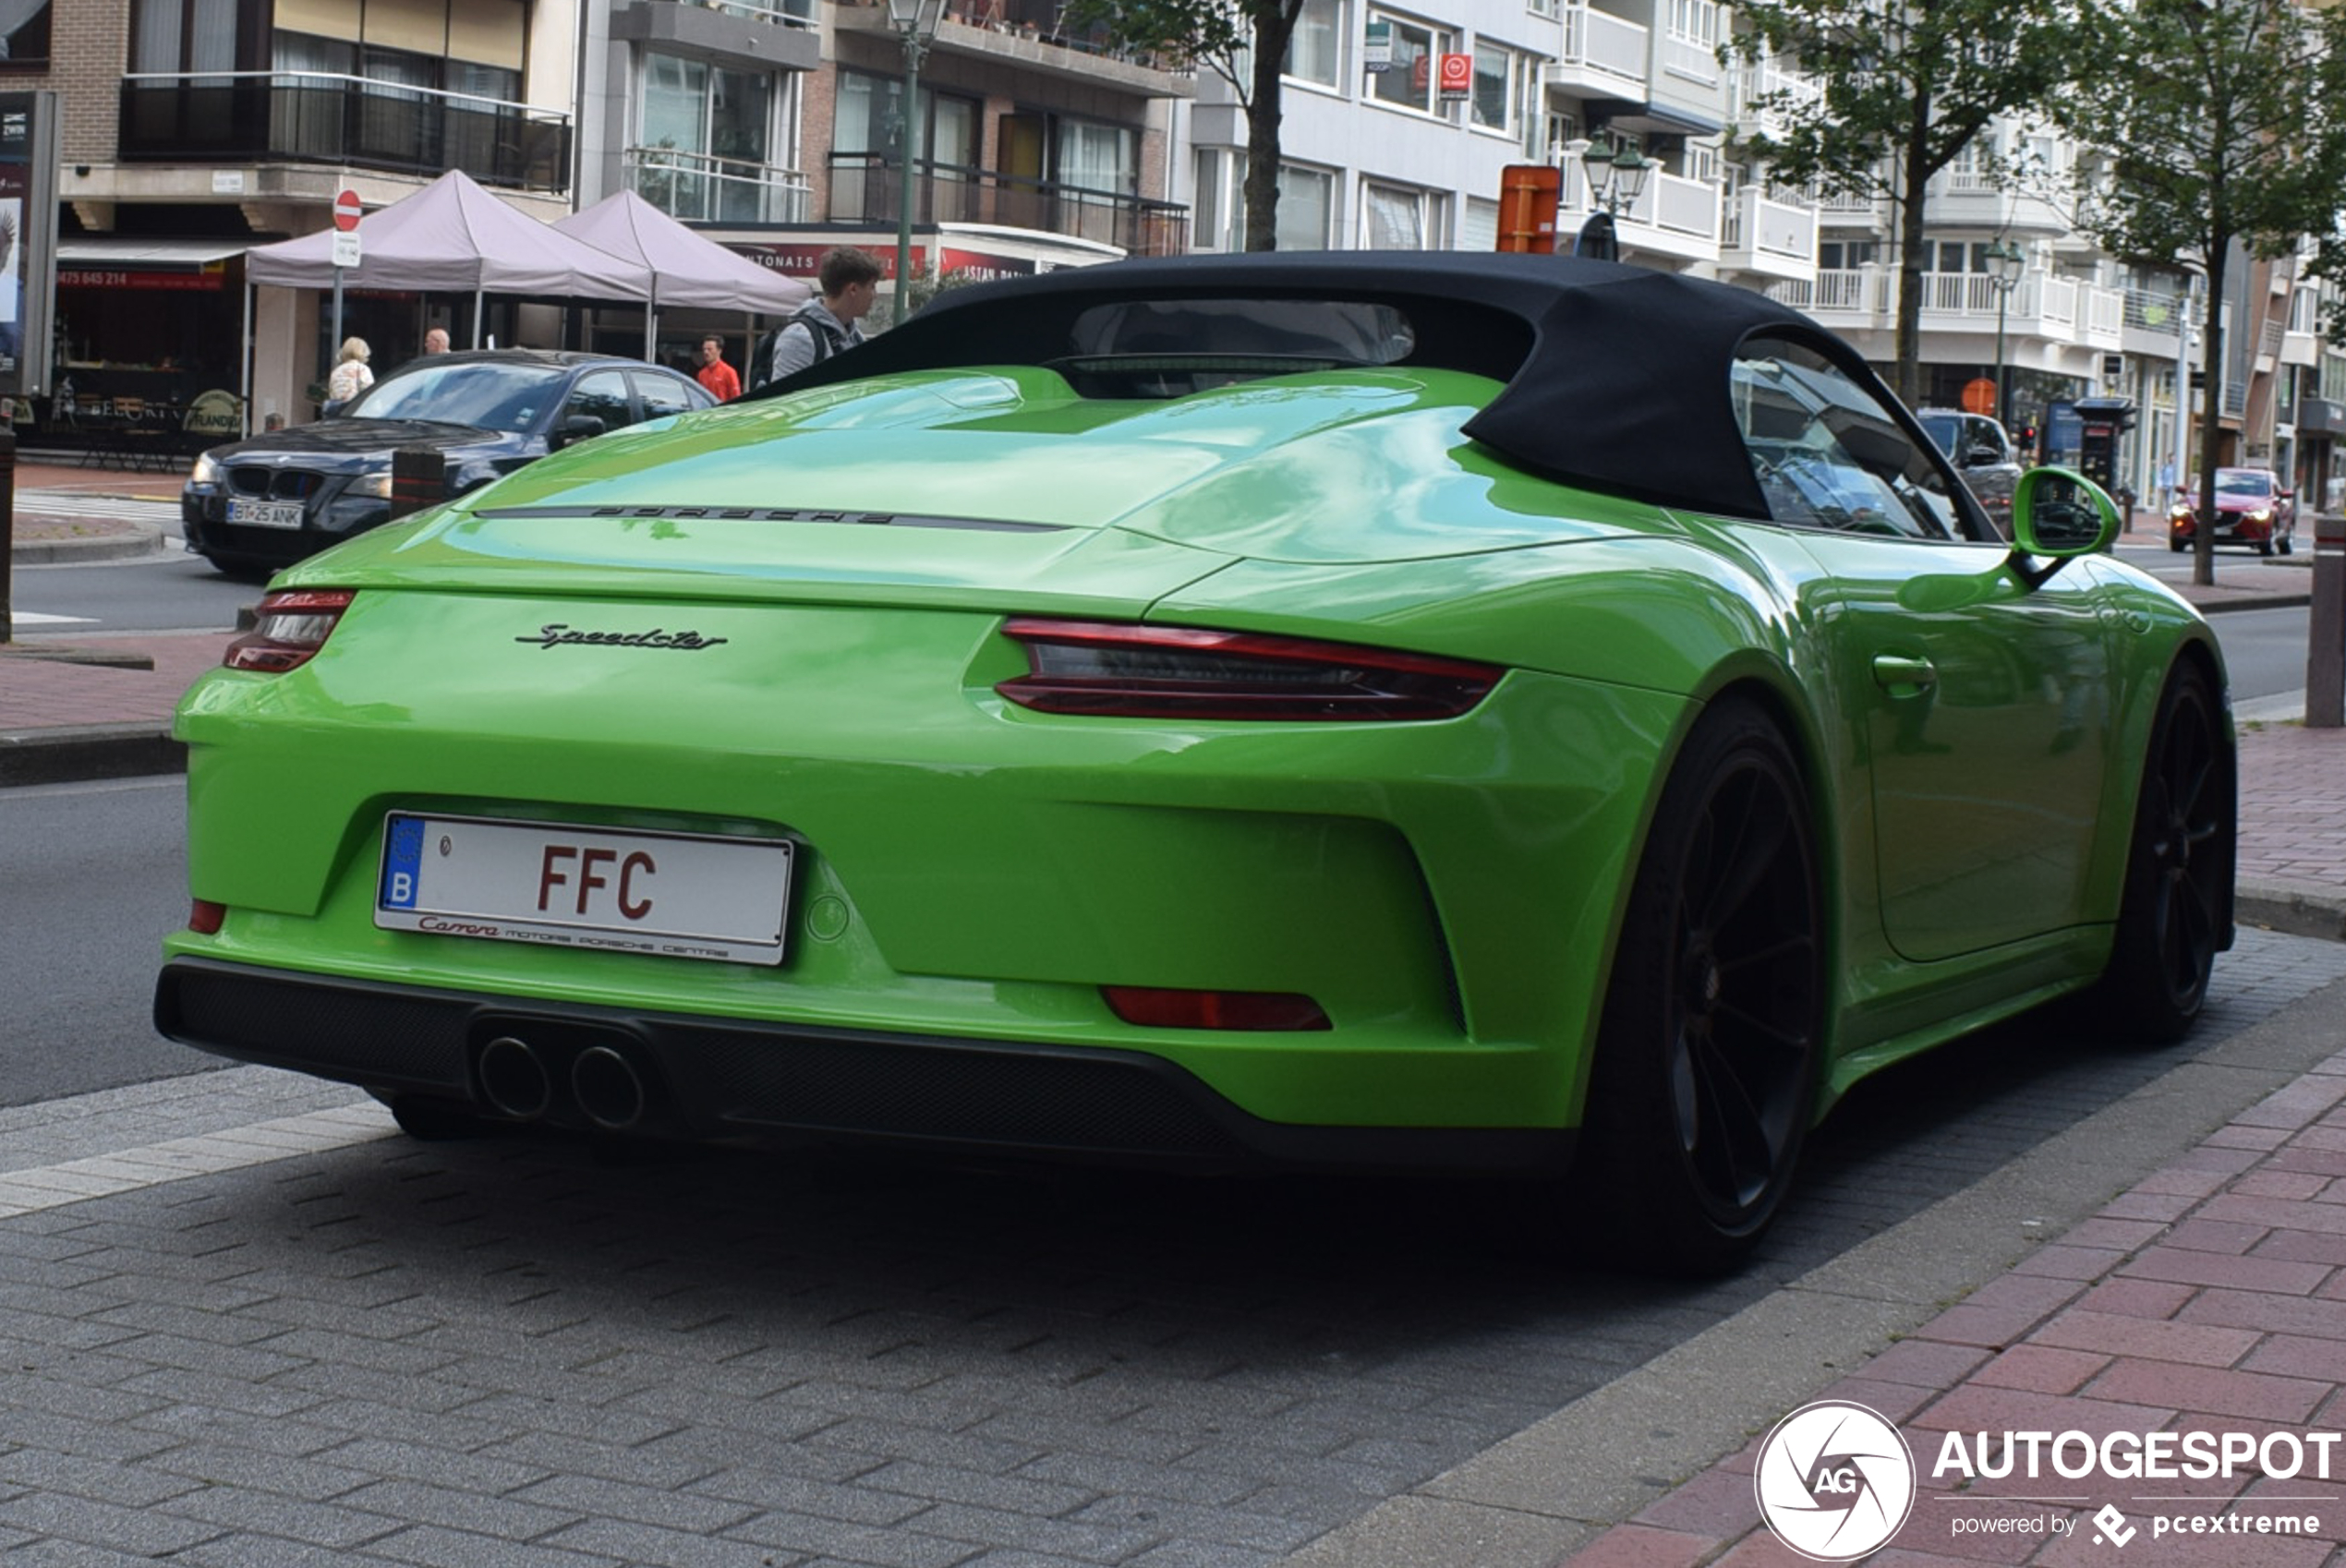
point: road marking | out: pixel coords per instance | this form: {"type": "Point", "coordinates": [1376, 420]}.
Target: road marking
{"type": "Point", "coordinates": [34, 617]}
{"type": "Point", "coordinates": [128, 1170]}
{"type": "Point", "coordinates": [66, 503]}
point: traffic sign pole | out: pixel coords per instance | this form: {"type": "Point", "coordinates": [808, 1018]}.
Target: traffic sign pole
{"type": "Point", "coordinates": [347, 208]}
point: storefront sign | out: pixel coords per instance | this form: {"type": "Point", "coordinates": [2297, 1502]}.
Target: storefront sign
{"type": "Point", "coordinates": [981, 265]}
{"type": "Point", "coordinates": [1379, 56]}
{"type": "Point", "coordinates": [803, 258]}
{"type": "Point", "coordinates": [210, 280]}
{"type": "Point", "coordinates": [28, 236]}
{"type": "Point", "coordinates": [215, 413]}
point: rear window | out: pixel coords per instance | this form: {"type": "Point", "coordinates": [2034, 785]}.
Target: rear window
{"type": "Point", "coordinates": [1166, 348]}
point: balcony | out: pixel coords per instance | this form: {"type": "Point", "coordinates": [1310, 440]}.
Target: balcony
{"type": "Point", "coordinates": [696, 188]}
{"type": "Point", "coordinates": [320, 117]}
{"type": "Point", "coordinates": [1031, 35]}
{"type": "Point", "coordinates": [1764, 234]}
{"type": "Point", "coordinates": [1603, 55]}
{"type": "Point", "coordinates": [866, 187]}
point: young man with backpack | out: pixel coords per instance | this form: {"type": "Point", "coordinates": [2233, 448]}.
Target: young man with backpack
{"type": "Point", "coordinates": [820, 328]}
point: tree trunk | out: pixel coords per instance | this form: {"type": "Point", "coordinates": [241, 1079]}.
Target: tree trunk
{"type": "Point", "coordinates": [1913, 196]}
{"type": "Point", "coordinates": [2211, 429]}
{"type": "Point", "coordinates": [1262, 112]}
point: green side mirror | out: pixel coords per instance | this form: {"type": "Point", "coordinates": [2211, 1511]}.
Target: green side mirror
{"type": "Point", "coordinates": [2059, 513]}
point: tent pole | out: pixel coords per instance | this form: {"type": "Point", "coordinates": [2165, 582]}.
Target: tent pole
{"type": "Point", "coordinates": [476, 318]}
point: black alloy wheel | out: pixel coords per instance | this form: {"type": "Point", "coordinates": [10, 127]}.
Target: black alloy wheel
{"type": "Point", "coordinates": [2176, 909]}
{"type": "Point", "coordinates": [1705, 1078]}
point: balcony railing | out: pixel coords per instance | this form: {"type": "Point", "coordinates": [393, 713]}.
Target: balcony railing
{"type": "Point", "coordinates": [866, 187]}
{"type": "Point", "coordinates": [323, 117]}
{"type": "Point", "coordinates": [696, 188]}
{"type": "Point", "coordinates": [1606, 45]}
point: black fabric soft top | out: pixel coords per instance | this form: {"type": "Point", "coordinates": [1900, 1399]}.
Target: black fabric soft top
{"type": "Point", "coordinates": [1616, 378]}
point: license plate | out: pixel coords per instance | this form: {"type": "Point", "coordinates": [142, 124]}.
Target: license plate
{"type": "Point", "coordinates": [672, 895]}
{"type": "Point", "coordinates": [265, 513]}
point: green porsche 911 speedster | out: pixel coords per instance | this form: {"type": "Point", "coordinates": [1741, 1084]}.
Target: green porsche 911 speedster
{"type": "Point", "coordinates": [1449, 712]}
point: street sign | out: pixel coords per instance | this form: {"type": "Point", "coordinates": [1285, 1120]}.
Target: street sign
{"type": "Point", "coordinates": [347, 212]}
{"type": "Point", "coordinates": [1979, 395]}
{"type": "Point", "coordinates": [1456, 78]}
{"type": "Point", "coordinates": [346, 248]}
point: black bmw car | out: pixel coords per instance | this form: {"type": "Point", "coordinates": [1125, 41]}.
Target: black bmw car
{"type": "Point", "coordinates": [262, 503]}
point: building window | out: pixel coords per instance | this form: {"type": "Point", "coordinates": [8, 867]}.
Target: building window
{"type": "Point", "coordinates": [1408, 82]}
{"type": "Point", "coordinates": [1496, 73]}
{"type": "Point", "coordinates": [705, 138]}
{"type": "Point", "coordinates": [1093, 156]}
{"type": "Point", "coordinates": [1396, 217]}
{"type": "Point", "coordinates": [1481, 225]}
{"type": "Point", "coordinates": [1314, 52]}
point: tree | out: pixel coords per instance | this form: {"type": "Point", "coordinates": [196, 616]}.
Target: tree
{"type": "Point", "coordinates": [1245, 43]}
{"type": "Point", "coordinates": [1908, 85]}
{"type": "Point", "coordinates": [2225, 126]}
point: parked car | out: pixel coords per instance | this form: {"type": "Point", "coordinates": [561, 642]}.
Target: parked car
{"type": "Point", "coordinates": [2252, 507]}
{"type": "Point", "coordinates": [275, 499]}
{"type": "Point", "coordinates": [1982, 453]}
{"type": "Point", "coordinates": [1476, 712]}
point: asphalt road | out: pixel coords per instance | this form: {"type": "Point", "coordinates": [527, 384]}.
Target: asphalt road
{"type": "Point", "coordinates": [94, 877]}
{"type": "Point", "coordinates": [174, 592]}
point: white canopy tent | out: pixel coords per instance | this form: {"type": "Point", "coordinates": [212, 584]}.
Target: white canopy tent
{"type": "Point", "coordinates": [449, 237]}
{"type": "Point", "coordinates": [687, 269]}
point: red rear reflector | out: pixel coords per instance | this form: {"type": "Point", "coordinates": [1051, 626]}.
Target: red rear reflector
{"type": "Point", "coordinates": [1103, 668]}
{"type": "Point", "coordinates": [205, 918]}
{"type": "Point", "coordinates": [287, 629]}
{"type": "Point", "coordinates": [1156, 1008]}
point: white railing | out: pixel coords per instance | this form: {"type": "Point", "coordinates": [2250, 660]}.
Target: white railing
{"type": "Point", "coordinates": [1752, 221]}
{"type": "Point", "coordinates": [789, 13]}
{"type": "Point", "coordinates": [1595, 41]}
{"type": "Point", "coordinates": [695, 188]}
{"type": "Point", "coordinates": [1691, 59]}
{"type": "Point", "coordinates": [1682, 206]}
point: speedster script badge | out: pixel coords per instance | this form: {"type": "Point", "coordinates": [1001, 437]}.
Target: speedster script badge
{"type": "Point", "coordinates": [559, 635]}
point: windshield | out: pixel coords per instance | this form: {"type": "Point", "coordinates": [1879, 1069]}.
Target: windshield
{"type": "Point", "coordinates": [496, 397]}
{"type": "Point", "coordinates": [2243, 482]}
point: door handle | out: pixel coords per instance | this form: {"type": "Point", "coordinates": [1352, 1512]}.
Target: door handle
{"type": "Point", "coordinates": [1902, 676]}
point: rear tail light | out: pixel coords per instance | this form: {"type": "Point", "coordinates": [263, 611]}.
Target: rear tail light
{"type": "Point", "coordinates": [287, 629]}
{"type": "Point", "coordinates": [1185, 672]}
{"type": "Point", "coordinates": [205, 918]}
{"type": "Point", "coordinates": [1158, 1007]}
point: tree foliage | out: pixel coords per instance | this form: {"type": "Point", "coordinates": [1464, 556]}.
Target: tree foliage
{"type": "Point", "coordinates": [1905, 87]}
{"type": "Point", "coordinates": [2225, 122]}
{"type": "Point", "coordinates": [1243, 42]}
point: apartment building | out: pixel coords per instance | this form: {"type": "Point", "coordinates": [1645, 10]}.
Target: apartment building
{"type": "Point", "coordinates": [779, 128]}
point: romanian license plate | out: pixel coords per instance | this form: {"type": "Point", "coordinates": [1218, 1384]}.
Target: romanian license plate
{"type": "Point", "coordinates": [265, 513]}
{"type": "Point", "coordinates": [674, 895]}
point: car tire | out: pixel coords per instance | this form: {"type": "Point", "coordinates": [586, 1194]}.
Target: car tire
{"type": "Point", "coordinates": [2178, 545]}
{"type": "Point", "coordinates": [1704, 1080]}
{"type": "Point", "coordinates": [2265, 546]}
{"type": "Point", "coordinates": [2287, 544]}
{"type": "Point", "coordinates": [2176, 907]}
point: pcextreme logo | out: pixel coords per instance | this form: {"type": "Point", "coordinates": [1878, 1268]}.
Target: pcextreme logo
{"type": "Point", "coordinates": [1835, 1482]}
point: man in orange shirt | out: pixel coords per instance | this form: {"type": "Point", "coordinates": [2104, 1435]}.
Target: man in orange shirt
{"type": "Point", "coordinates": [723, 382]}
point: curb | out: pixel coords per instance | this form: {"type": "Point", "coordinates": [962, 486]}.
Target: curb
{"type": "Point", "coordinates": [78, 754]}
{"type": "Point", "coordinates": [134, 546]}
{"type": "Point", "coordinates": [2298, 911]}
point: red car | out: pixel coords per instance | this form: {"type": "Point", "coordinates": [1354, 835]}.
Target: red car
{"type": "Point", "coordinates": [2251, 509]}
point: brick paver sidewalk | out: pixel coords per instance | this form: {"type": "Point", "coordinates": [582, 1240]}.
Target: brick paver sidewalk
{"type": "Point", "coordinates": [2209, 1299]}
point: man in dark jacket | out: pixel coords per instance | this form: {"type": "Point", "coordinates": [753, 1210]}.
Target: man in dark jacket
{"type": "Point", "coordinates": [820, 328]}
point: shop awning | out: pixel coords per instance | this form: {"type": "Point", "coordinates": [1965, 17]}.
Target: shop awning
{"type": "Point", "coordinates": [140, 261]}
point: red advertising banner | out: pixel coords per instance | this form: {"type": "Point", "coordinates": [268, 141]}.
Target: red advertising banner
{"type": "Point", "coordinates": [800, 258]}
{"type": "Point", "coordinates": [1457, 77]}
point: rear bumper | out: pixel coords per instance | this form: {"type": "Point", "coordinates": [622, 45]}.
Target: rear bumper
{"type": "Point", "coordinates": [719, 1080]}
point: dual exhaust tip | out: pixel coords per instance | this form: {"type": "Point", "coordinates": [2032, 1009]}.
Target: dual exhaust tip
{"type": "Point", "coordinates": [518, 1080]}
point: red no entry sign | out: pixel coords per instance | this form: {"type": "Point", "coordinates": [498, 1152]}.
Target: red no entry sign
{"type": "Point", "coordinates": [346, 211]}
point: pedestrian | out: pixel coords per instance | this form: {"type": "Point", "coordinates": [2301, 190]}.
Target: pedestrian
{"type": "Point", "coordinates": [820, 328]}
{"type": "Point", "coordinates": [723, 383]}
{"type": "Point", "coordinates": [436, 341]}
{"type": "Point", "coordinates": [350, 376]}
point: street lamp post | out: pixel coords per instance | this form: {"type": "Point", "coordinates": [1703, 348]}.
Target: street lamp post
{"type": "Point", "coordinates": [2005, 261]}
{"type": "Point", "coordinates": [915, 22]}
{"type": "Point", "coordinates": [1616, 176]}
